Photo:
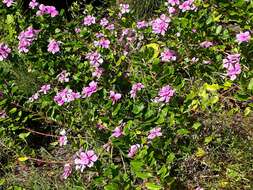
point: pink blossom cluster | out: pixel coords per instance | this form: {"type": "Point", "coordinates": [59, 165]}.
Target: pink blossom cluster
{"type": "Point", "coordinates": [66, 171]}
{"type": "Point", "coordinates": [33, 4]}
{"type": "Point", "coordinates": [165, 94]}
{"type": "Point", "coordinates": [53, 46]}
{"type": "Point", "coordinates": [91, 89]}
{"type": "Point", "coordinates": [43, 89]}
{"type": "Point", "coordinates": [3, 114]}
{"type": "Point", "coordinates": [117, 132]}
{"type": "Point", "coordinates": [124, 8]}
{"type": "Point", "coordinates": [206, 44]}
{"type": "Point", "coordinates": [89, 20]}
{"type": "Point", "coordinates": [155, 132]}
{"type": "Point", "coordinates": [135, 88]}
{"type": "Point", "coordinates": [232, 64]}
{"type": "Point", "coordinates": [26, 38]}
{"type": "Point", "coordinates": [110, 27]}
{"type": "Point", "coordinates": [114, 96]}
{"type": "Point", "coordinates": [133, 150]}
{"type": "Point", "coordinates": [97, 72]}
{"type": "Point", "coordinates": [160, 25]}
{"type": "Point", "coordinates": [103, 42]}
{"type": "Point", "coordinates": [63, 76]}
{"type": "Point", "coordinates": [8, 3]}
{"type": "Point", "coordinates": [63, 140]}
{"type": "Point", "coordinates": [142, 24]}
{"type": "Point", "coordinates": [104, 22]}
{"type": "Point", "coordinates": [49, 10]}
{"type": "Point", "coordinates": [85, 159]}
{"type": "Point", "coordinates": [4, 51]}
{"type": "Point", "coordinates": [184, 6]}
{"type": "Point", "coordinates": [187, 6]}
{"type": "Point", "coordinates": [95, 58]}
{"type": "Point", "coordinates": [66, 95]}
{"type": "Point", "coordinates": [168, 55]}
{"type": "Point", "coordinates": [243, 37]}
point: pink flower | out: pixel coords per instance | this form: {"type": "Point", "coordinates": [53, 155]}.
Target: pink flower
{"type": "Point", "coordinates": [206, 44]}
{"type": "Point", "coordinates": [232, 64]}
{"type": "Point", "coordinates": [168, 55]}
{"type": "Point", "coordinates": [110, 27]}
{"type": "Point", "coordinates": [53, 46]}
{"type": "Point", "coordinates": [104, 22]}
{"type": "Point", "coordinates": [8, 3]}
{"type": "Point", "coordinates": [45, 88]}
{"type": "Point", "coordinates": [98, 72]}
{"type": "Point", "coordinates": [135, 88]}
{"type": "Point", "coordinates": [199, 188]}
{"type": "Point", "coordinates": [89, 20]}
{"type": "Point", "coordinates": [100, 126]}
{"type": "Point", "coordinates": [26, 38]}
{"type": "Point", "coordinates": [99, 35]}
{"type": "Point", "coordinates": [4, 51]}
{"type": "Point", "coordinates": [133, 150]}
{"type": "Point", "coordinates": [160, 25]}
{"type": "Point", "coordinates": [117, 132]}
{"type": "Point", "coordinates": [34, 97]}
{"type": "Point", "coordinates": [107, 147]}
{"type": "Point", "coordinates": [95, 58]}
{"type": "Point", "coordinates": [172, 10]}
{"type": "Point", "coordinates": [187, 5]}
{"type": "Point", "coordinates": [91, 89]}
{"type": "Point", "coordinates": [142, 24]}
{"type": "Point", "coordinates": [243, 37]}
{"type": "Point", "coordinates": [66, 171]}
{"type": "Point", "coordinates": [2, 114]}
{"type": "Point", "coordinates": [63, 140]}
{"type": "Point", "coordinates": [85, 159]}
{"type": "Point", "coordinates": [155, 132]}
{"type": "Point", "coordinates": [115, 96]}
{"type": "Point", "coordinates": [50, 10]}
{"type": "Point", "coordinates": [77, 30]}
{"type": "Point", "coordinates": [124, 8]}
{"type": "Point", "coordinates": [165, 94]}
{"type": "Point", "coordinates": [66, 95]}
{"type": "Point", "coordinates": [104, 43]}
{"type": "Point", "coordinates": [33, 4]}
{"type": "Point", "coordinates": [63, 76]}
{"type": "Point", "coordinates": [174, 2]}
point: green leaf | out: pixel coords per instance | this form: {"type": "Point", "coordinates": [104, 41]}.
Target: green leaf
{"type": "Point", "coordinates": [115, 112]}
{"type": "Point", "coordinates": [182, 132]}
{"type": "Point", "coordinates": [152, 186]}
{"type": "Point", "coordinates": [112, 186]}
{"type": "Point", "coordinates": [138, 108]}
{"type": "Point", "coordinates": [218, 29]}
{"type": "Point", "coordinates": [10, 19]}
{"type": "Point", "coordinates": [2, 181]}
{"type": "Point", "coordinates": [13, 110]}
{"type": "Point", "coordinates": [196, 125]}
{"type": "Point", "coordinates": [23, 135]}
{"type": "Point", "coordinates": [200, 152]}
{"type": "Point", "coordinates": [143, 175]}
{"type": "Point", "coordinates": [250, 86]}
{"type": "Point", "coordinates": [208, 139]}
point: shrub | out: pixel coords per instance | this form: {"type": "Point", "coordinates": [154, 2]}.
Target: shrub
{"type": "Point", "coordinates": [106, 101]}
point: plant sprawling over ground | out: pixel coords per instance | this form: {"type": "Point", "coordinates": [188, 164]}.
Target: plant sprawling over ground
{"type": "Point", "coordinates": [125, 97]}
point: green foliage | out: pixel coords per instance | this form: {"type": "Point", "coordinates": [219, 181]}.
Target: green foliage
{"type": "Point", "coordinates": [206, 126]}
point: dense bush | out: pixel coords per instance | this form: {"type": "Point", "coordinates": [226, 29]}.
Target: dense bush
{"type": "Point", "coordinates": [111, 102]}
